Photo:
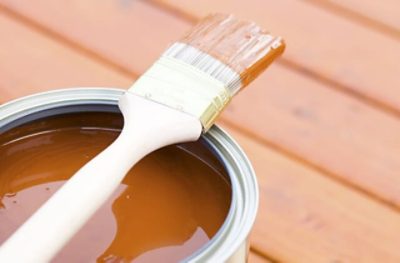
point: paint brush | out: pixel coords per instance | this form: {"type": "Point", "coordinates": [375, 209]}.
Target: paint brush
{"type": "Point", "coordinates": [176, 100]}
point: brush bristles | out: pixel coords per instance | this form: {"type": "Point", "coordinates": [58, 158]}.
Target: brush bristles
{"type": "Point", "coordinates": [206, 63]}
{"type": "Point", "coordinates": [200, 74]}
{"type": "Point", "coordinates": [241, 45]}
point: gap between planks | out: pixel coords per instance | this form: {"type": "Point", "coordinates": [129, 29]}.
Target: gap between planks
{"type": "Point", "coordinates": [260, 256]}
{"type": "Point", "coordinates": [357, 17]}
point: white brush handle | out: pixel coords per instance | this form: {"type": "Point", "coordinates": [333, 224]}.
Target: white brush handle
{"type": "Point", "coordinates": [148, 126]}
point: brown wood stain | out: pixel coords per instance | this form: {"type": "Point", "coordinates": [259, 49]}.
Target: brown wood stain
{"type": "Point", "coordinates": [168, 206]}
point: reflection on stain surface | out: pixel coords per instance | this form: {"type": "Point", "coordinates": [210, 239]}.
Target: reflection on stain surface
{"type": "Point", "coordinates": [167, 207]}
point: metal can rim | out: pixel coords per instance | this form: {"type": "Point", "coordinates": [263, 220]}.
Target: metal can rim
{"type": "Point", "coordinates": [236, 228]}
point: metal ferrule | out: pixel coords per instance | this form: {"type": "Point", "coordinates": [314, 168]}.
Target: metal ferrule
{"type": "Point", "coordinates": [196, 88]}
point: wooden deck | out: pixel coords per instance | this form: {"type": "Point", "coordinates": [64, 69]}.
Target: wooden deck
{"type": "Point", "coordinates": [321, 127]}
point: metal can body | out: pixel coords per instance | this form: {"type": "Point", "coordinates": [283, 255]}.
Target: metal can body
{"type": "Point", "coordinates": [230, 244]}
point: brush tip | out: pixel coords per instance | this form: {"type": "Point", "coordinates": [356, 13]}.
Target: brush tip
{"type": "Point", "coordinates": [242, 45]}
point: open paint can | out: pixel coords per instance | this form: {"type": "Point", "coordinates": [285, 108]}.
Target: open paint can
{"type": "Point", "coordinates": [198, 238]}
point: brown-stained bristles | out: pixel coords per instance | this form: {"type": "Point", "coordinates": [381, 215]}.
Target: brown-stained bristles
{"type": "Point", "coordinates": [241, 45]}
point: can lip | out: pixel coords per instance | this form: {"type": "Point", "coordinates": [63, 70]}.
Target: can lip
{"type": "Point", "coordinates": [235, 230]}
{"type": "Point", "coordinates": [245, 195]}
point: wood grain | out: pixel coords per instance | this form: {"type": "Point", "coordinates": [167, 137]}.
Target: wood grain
{"type": "Point", "coordinates": [337, 134]}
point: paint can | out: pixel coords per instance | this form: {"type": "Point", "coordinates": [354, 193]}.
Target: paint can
{"type": "Point", "coordinates": [230, 244]}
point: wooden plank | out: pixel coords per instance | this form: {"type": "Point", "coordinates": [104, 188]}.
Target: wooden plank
{"type": "Point", "coordinates": [31, 63]}
{"type": "Point", "coordinates": [296, 221]}
{"type": "Point", "coordinates": [305, 217]}
{"type": "Point", "coordinates": [336, 133]}
{"type": "Point", "coordinates": [384, 13]}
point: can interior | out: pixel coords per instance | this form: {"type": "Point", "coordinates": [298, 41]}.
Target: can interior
{"type": "Point", "coordinates": [192, 148]}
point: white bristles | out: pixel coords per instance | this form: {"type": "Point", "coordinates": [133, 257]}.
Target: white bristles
{"type": "Point", "coordinates": [206, 63]}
